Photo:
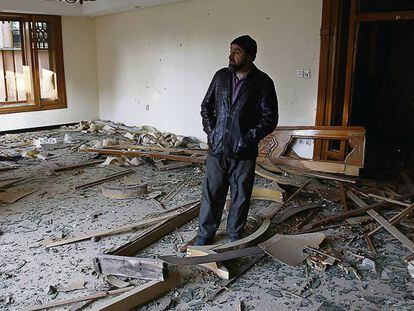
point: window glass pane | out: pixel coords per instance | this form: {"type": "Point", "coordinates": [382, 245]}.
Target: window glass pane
{"type": "Point", "coordinates": [47, 66]}
{"type": "Point", "coordinates": [14, 75]}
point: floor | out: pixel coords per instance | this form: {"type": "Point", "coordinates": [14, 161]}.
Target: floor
{"type": "Point", "coordinates": [30, 274]}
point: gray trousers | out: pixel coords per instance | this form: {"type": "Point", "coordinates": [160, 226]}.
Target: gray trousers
{"type": "Point", "coordinates": [220, 174]}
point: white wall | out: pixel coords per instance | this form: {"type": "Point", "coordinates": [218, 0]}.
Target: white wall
{"type": "Point", "coordinates": [155, 64]}
{"type": "Point", "coordinates": [79, 54]}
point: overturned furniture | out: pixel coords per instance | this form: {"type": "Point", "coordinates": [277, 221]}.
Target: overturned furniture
{"type": "Point", "coordinates": [275, 146]}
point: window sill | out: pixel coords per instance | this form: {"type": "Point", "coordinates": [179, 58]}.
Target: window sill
{"type": "Point", "coordinates": [25, 107]}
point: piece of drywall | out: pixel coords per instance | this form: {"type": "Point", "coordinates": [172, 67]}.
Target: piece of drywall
{"type": "Point", "coordinates": [79, 54]}
{"type": "Point", "coordinates": [155, 64]}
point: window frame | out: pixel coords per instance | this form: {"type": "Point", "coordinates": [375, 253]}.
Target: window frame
{"type": "Point", "coordinates": [34, 102]}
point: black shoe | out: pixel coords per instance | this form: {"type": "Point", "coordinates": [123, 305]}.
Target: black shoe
{"type": "Point", "coordinates": [203, 241]}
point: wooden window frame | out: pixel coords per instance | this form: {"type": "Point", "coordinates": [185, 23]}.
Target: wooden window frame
{"type": "Point", "coordinates": [33, 101]}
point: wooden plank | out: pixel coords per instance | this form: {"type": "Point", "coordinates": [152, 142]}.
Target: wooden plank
{"type": "Point", "coordinates": [290, 212]}
{"type": "Point", "coordinates": [217, 267]}
{"type": "Point", "coordinates": [320, 175]}
{"type": "Point", "coordinates": [11, 196]}
{"type": "Point", "coordinates": [154, 155]}
{"type": "Point", "coordinates": [103, 180]}
{"type": "Point", "coordinates": [389, 200]}
{"type": "Point", "coordinates": [354, 213]}
{"type": "Point", "coordinates": [84, 298]}
{"type": "Point", "coordinates": [99, 234]}
{"type": "Point", "coordinates": [76, 166]}
{"type": "Point", "coordinates": [172, 166]}
{"type": "Point", "coordinates": [157, 232]}
{"type": "Point", "coordinates": [132, 267]}
{"type": "Point", "coordinates": [260, 193]}
{"type": "Point", "coordinates": [7, 168]}
{"type": "Point", "coordinates": [396, 218]}
{"type": "Point", "coordinates": [382, 221]}
{"type": "Point", "coordinates": [223, 256]}
{"type": "Point", "coordinates": [141, 295]}
{"type": "Point", "coordinates": [11, 181]}
{"type": "Point", "coordinates": [162, 149]}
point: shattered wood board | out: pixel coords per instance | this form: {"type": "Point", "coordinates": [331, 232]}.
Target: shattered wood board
{"type": "Point", "coordinates": [383, 222]}
{"type": "Point", "coordinates": [141, 295]}
{"type": "Point", "coordinates": [217, 267]}
{"type": "Point", "coordinates": [156, 232]}
{"type": "Point", "coordinates": [11, 196]}
{"type": "Point", "coordinates": [142, 268]}
{"type": "Point", "coordinates": [212, 257]}
{"type": "Point", "coordinates": [10, 181]}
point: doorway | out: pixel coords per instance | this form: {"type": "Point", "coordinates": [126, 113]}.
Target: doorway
{"type": "Point", "coordinates": [366, 79]}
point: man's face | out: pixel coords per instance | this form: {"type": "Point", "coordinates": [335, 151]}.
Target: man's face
{"type": "Point", "coordinates": [238, 57]}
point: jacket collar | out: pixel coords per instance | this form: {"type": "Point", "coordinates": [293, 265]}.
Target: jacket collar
{"type": "Point", "coordinates": [250, 81]}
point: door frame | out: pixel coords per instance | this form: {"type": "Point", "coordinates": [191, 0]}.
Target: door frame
{"type": "Point", "coordinates": [329, 65]}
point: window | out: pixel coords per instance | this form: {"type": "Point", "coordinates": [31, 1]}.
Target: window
{"type": "Point", "coordinates": [31, 63]}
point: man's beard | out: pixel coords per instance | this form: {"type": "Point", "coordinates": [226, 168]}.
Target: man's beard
{"type": "Point", "coordinates": [235, 67]}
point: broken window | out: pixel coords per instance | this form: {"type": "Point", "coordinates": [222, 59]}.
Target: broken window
{"type": "Point", "coordinates": [31, 63]}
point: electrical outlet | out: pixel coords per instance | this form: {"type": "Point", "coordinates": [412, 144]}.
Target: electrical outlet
{"type": "Point", "coordinates": [299, 73]}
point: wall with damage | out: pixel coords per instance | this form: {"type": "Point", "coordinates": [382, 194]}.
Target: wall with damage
{"type": "Point", "coordinates": [79, 53]}
{"type": "Point", "coordinates": [155, 64]}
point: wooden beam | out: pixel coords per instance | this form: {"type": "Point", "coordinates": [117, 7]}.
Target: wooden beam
{"type": "Point", "coordinates": [343, 196]}
{"type": "Point", "coordinates": [382, 221]}
{"type": "Point", "coordinates": [154, 155]}
{"type": "Point", "coordinates": [389, 200]}
{"type": "Point", "coordinates": [141, 295]}
{"type": "Point", "coordinates": [79, 299]}
{"type": "Point", "coordinates": [162, 149]}
{"type": "Point", "coordinates": [404, 213]}
{"type": "Point", "coordinates": [103, 180]}
{"type": "Point", "coordinates": [131, 267]}
{"type": "Point", "coordinates": [157, 232]}
{"type": "Point", "coordinates": [99, 234]}
{"type": "Point", "coordinates": [213, 257]}
{"type": "Point", "coordinates": [76, 166]}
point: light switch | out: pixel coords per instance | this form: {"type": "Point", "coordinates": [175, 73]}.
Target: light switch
{"type": "Point", "coordinates": [299, 73]}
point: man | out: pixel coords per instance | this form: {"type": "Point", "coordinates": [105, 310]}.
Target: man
{"type": "Point", "coordinates": [239, 110]}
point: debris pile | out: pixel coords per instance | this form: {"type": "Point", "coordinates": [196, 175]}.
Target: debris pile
{"type": "Point", "coordinates": [304, 221]}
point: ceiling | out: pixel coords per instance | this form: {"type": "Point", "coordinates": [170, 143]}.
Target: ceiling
{"type": "Point", "coordinates": [89, 8]}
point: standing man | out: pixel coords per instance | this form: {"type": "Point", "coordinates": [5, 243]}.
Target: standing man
{"type": "Point", "coordinates": [239, 110]}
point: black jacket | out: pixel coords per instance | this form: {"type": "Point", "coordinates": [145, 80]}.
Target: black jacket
{"type": "Point", "coordinates": [234, 130]}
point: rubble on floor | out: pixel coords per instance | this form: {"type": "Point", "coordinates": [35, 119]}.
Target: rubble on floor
{"type": "Point", "coordinates": [81, 230]}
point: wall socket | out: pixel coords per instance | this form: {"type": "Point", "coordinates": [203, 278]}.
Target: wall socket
{"type": "Point", "coordinates": [303, 73]}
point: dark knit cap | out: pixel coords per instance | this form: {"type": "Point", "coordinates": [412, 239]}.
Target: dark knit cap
{"type": "Point", "coordinates": [248, 44]}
